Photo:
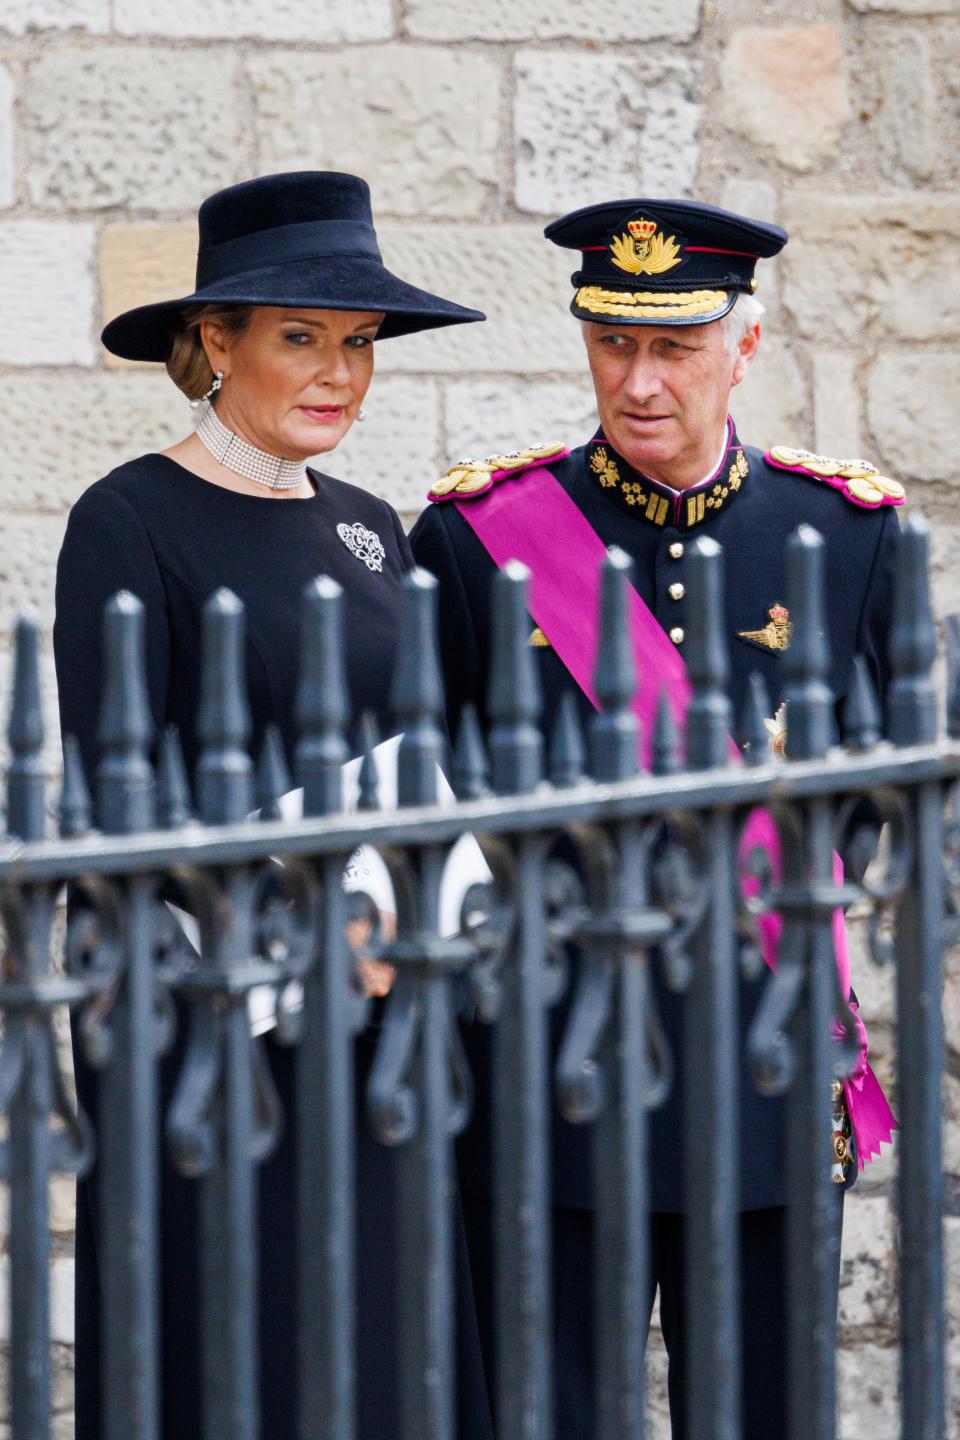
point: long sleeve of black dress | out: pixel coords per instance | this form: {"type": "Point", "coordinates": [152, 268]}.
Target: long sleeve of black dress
{"type": "Point", "coordinates": [106, 549]}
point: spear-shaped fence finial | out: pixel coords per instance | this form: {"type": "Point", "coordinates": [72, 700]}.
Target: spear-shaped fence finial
{"type": "Point", "coordinates": [861, 711]}
{"type": "Point", "coordinates": [516, 745]}
{"type": "Point", "coordinates": [471, 769]}
{"type": "Point", "coordinates": [754, 740]}
{"type": "Point", "coordinates": [665, 740]}
{"type": "Point", "coordinates": [124, 777]}
{"type": "Point", "coordinates": [416, 695]}
{"type": "Point", "coordinates": [225, 771]}
{"type": "Point", "coordinates": [273, 777]}
{"type": "Point", "coordinates": [173, 789]}
{"type": "Point", "coordinates": [806, 663]}
{"type": "Point", "coordinates": [25, 781]}
{"type": "Point", "coordinates": [368, 781]}
{"type": "Point", "coordinates": [912, 701]}
{"type": "Point", "coordinates": [567, 754]}
{"type": "Point", "coordinates": [323, 706]}
{"type": "Point", "coordinates": [613, 731]}
{"type": "Point", "coordinates": [708, 716]}
{"type": "Point", "coordinates": [74, 810]}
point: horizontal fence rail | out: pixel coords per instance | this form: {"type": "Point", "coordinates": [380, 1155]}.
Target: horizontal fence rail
{"type": "Point", "coordinates": [652, 883]}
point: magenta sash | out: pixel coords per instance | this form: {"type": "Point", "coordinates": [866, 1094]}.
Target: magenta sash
{"type": "Point", "coordinates": [535, 521]}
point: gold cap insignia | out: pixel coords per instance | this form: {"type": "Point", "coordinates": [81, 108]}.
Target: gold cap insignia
{"type": "Point", "coordinates": [775, 635]}
{"type": "Point", "coordinates": [645, 250]}
{"type": "Point", "coordinates": [538, 640]}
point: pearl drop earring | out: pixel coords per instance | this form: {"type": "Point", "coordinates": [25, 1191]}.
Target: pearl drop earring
{"type": "Point", "coordinates": [217, 383]}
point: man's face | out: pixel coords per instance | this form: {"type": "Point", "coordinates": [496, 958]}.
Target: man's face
{"type": "Point", "coordinates": [663, 391]}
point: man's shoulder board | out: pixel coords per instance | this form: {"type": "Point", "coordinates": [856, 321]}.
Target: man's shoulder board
{"type": "Point", "coordinates": [857, 480]}
{"type": "Point", "coordinates": [470, 478]}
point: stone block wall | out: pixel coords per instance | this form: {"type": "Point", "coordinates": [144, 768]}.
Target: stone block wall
{"type": "Point", "coordinates": [475, 124]}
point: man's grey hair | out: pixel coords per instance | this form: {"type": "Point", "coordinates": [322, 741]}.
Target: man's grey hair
{"type": "Point", "coordinates": [744, 315]}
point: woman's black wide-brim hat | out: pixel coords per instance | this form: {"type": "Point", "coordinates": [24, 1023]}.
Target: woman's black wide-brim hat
{"type": "Point", "coordinates": [300, 239]}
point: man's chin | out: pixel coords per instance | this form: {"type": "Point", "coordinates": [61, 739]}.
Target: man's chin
{"type": "Point", "coordinates": [645, 441]}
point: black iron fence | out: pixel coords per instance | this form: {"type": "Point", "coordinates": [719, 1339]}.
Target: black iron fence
{"type": "Point", "coordinates": [657, 874]}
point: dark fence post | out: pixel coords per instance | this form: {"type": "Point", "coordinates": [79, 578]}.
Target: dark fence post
{"type": "Point", "coordinates": [710, 1071]}
{"type": "Point", "coordinates": [127, 1183]}
{"type": "Point", "coordinates": [324, 1063]}
{"type": "Point", "coordinates": [420, 1007]}
{"type": "Point", "coordinates": [614, 940]}
{"type": "Point", "coordinates": [521, 1217]}
{"type": "Point", "coordinates": [814, 1209]}
{"type": "Point", "coordinates": [919, 952]}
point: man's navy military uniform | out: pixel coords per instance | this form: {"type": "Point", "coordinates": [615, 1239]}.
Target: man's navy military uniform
{"type": "Point", "coordinates": [750, 505]}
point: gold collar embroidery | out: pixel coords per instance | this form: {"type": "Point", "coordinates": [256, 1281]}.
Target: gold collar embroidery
{"type": "Point", "coordinates": [643, 496]}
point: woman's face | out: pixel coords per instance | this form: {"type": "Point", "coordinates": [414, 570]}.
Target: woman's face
{"type": "Point", "coordinates": [293, 380]}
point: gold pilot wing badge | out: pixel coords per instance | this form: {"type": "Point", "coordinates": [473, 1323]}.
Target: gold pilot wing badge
{"type": "Point", "coordinates": [645, 250]}
{"type": "Point", "coordinates": [775, 635]}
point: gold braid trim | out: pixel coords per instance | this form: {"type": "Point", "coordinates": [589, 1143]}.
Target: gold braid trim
{"type": "Point", "coordinates": [649, 304]}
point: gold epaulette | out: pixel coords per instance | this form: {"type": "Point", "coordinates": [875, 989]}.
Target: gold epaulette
{"type": "Point", "coordinates": [469, 478]}
{"type": "Point", "coordinates": [857, 480]}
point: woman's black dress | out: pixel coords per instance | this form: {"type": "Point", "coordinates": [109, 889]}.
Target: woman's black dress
{"type": "Point", "coordinates": [172, 538]}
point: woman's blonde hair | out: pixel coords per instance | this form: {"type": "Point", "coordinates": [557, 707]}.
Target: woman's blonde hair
{"type": "Point", "coordinates": [187, 363]}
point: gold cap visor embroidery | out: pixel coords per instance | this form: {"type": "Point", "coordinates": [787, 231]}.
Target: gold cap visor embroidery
{"type": "Point", "coordinates": [649, 304]}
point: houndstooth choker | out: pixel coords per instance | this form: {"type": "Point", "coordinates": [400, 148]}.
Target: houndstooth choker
{"type": "Point", "coordinates": [269, 470]}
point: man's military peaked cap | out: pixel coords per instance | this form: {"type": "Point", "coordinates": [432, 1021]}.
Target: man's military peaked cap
{"type": "Point", "coordinates": [662, 262]}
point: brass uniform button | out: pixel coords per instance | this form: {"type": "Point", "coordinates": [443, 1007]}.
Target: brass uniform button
{"type": "Point", "coordinates": [676, 550]}
{"type": "Point", "coordinates": [676, 635]}
{"type": "Point", "coordinates": [676, 591]}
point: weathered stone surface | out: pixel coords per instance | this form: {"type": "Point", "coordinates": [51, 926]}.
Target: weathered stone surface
{"type": "Point", "coordinates": [29, 545]}
{"type": "Point", "coordinates": [148, 128]}
{"type": "Point", "coordinates": [907, 7]}
{"type": "Point", "coordinates": [61, 1299]}
{"type": "Point", "coordinates": [141, 264]}
{"type": "Point", "coordinates": [870, 266]}
{"type": "Point", "coordinates": [746, 196]}
{"type": "Point", "coordinates": [669, 149]}
{"type": "Point", "coordinates": [867, 1273]}
{"type": "Point", "coordinates": [421, 127]}
{"type": "Point", "coordinates": [951, 1125]}
{"type": "Point", "coordinates": [512, 273]}
{"type": "Point", "coordinates": [584, 122]}
{"type": "Point", "coordinates": [339, 21]}
{"type": "Point", "coordinates": [63, 1204]}
{"type": "Point", "coordinates": [21, 16]}
{"type": "Point", "coordinates": [836, 402]}
{"type": "Point", "coordinates": [491, 417]}
{"type": "Point", "coordinates": [658, 1404]}
{"type": "Point", "coordinates": [951, 1001]}
{"type": "Point", "coordinates": [46, 293]}
{"type": "Point", "coordinates": [951, 1245]}
{"type": "Point", "coordinates": [67, 429]}
{"type": "Point", "coordinates": [868, 1393]}
{"type": "Point", "coordinates": [945, 565]}
{"type": "Point", "coordinates": [769, 405]}
{"type": "Point", "coordinates": [394, 452]}
{"type": "Point", "coordinates": [907, 129]}
{"type": "Point", "coordinates": [913, 399]}
{"type": "Point", "coordinates": [553, 20]}
{"type": "Point", "coordinates": [6, 138]}
{"type": "Point", "coordinates": [61, 1376]}
{"type": "Point", "coordinates": [786, 90]}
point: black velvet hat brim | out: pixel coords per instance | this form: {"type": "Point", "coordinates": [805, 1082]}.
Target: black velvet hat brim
{"type": "Point", "coordinates": [333, 282]}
